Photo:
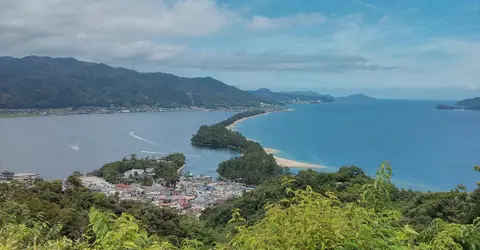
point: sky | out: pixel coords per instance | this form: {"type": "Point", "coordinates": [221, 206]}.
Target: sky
{"type": "Point", "coordinates": [412, 49]}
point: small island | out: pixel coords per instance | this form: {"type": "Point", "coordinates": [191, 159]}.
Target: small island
{"type": "Point", "coordinates": [355, 98]}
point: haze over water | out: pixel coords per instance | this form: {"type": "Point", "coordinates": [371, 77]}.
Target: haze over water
{"type": "Point", "coordinates": [41, 144]}
{"type": "Point", "coordinates": [429, 149]}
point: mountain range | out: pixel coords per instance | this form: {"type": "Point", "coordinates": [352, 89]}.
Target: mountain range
{"type": "Point", "coordinates": [45, 82]}
{"type": "Point", "coordinates": [287, 97]}
{"type": "Point", "coordinates": [307, 96]}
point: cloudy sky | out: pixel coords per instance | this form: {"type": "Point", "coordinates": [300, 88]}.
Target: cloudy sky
{"type": "Point", "coordinates": [391, 49]}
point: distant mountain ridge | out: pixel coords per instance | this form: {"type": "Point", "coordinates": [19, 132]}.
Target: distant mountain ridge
{"type": "Point", "coordinates": [289, 97]}
{"type": "Point", "coordinates": [355, 98]}
{"type": "Point", "coordinates": [46, 82]}
{"type": "Point", "coordinates": [305, 93]}
{"type": "Point", "coordinates": [467, 104]}
{"type": "Point", "coordinates": [472, 102]}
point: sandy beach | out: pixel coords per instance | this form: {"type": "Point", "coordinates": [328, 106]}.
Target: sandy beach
{"type": "Point", "coordinates": [290, 163]}
{"type": "Point", "coordinates": [280, 161]}
{"type": "Point", "coordinates": [233, 125]}
{"type": "Point", "coordinates": [295, 164]}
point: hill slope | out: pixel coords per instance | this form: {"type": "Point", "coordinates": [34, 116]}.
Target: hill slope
{"type": "Point", "coordinates": [45, 82]}
{"type": "Point", "coordinates": [473, 102]}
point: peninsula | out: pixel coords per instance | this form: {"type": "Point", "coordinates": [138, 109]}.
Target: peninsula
{"type": "Point", "coordinates": [224, 134]}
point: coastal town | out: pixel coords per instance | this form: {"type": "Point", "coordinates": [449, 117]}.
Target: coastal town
{"type": "Point", "coordinates": [191, 194]}
{"type": "Point", "coordinates": [124, 110]}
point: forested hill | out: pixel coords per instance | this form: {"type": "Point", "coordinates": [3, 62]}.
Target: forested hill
{"type": "Point", "coordinates": [45, 82]}
{"type": "Point", "coordinates": [467, 104]}
{"type": "Point", "coordinates": [473, 102]}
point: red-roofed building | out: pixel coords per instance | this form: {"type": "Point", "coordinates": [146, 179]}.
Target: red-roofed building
{"type": "Point", "coordinates": [125, 188]}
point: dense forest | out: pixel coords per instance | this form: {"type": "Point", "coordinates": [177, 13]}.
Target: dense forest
{"type": "Point", "coordinates": [45, 82]}
{"type": "Point", "coordinates": [341, 210]}
{"type": "Point", "coordinates": [219, 136]}
{"type": "Point", "coordinates": [166, 168]}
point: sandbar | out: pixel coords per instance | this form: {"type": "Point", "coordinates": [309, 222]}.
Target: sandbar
{"type": "Point", "coordinates": [290, 163]}
{"type": "Point", "coordinates": [295, 164]}
{"type": "Point", "coordinates": [234, 124]}
{"type": "Point", "coordinates": [280, 161]}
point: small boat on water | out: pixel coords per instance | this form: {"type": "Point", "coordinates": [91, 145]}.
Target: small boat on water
{"type": "Point", "coordinates": [73, 144]}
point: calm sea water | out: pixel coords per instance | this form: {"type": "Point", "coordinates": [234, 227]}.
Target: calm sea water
{"type": "Point", "coordinates": [40, 144]}
{"type": "Point", "coordinates": [429, 149]}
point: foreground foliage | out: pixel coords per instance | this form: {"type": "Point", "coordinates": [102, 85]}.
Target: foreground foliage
{"type": "Point", "coordinates": [310, 220]}
{"type": "Point", "coordinates": [47, 203]}
{"type": "Point", "coordinates": [303, 219]}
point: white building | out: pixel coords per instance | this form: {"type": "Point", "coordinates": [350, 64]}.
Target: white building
{"type": "Point", "coordinates": [24, 177]}
{"type": "Point", "coordinates": [134, 173]}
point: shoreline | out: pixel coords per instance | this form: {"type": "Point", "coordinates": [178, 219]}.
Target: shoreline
{"type": "Point", "coordinates": [232, 127]}
{"type": "Point", "coordinates": [31, 112]}
{"type": "Point", "coordinates": [284, 162]}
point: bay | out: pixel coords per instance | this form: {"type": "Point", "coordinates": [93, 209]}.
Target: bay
{"type": "Point", "coordinates": [429, 149]}
{"type": "Point", "coordinates": [41, 144]}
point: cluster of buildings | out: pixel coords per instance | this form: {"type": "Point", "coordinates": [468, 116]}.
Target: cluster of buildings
{"type": "Point", "coordinates": [191, 195]}
{"type": "Point", "coordinates": [113, 110]}
{"type": "Point", "coordinates": [149, 172]}
{"type": "Point", "coordinates": [20, 177]}
{"type": "Point", "coordinates": [298, 101]}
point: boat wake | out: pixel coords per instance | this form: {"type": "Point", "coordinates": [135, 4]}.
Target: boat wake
{"type": "Point", "coordinates": [132, 134]}
{"type": "Point", "coordinates": [73, 144]}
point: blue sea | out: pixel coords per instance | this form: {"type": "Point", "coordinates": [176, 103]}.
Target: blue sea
{"type": "Point", "coordinates": [41, 144]}
{"type": "Point", "coordinates": [429, 149]}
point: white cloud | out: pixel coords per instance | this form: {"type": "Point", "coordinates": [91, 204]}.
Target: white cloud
{"type": "Point", "coordinates": [371, 6]}
{"type": "Point", "coordinates": [348, 51]}
{"type": "Point", "coordinates": [90, 27]}
{"type": "Point", "coordinates": [266, 23]}
{"type": "Point", "coordinates": [274, 62]}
